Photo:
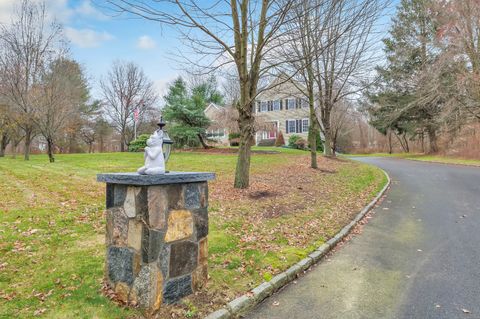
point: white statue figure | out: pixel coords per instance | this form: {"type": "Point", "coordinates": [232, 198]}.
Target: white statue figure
{"type": "Point", "coordinates": [154, 160]}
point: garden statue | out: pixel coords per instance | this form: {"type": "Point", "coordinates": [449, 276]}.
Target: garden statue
{"type": "Point", "coordinates": [154, 158]}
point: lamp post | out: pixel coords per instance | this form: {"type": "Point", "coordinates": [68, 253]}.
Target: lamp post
{"type": "Point", "coordinates": [167, 142]}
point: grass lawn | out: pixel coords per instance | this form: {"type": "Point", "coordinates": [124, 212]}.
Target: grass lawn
{"type": "Point", "coordinates": [52, 226]}
{"type": "Point", "coordinates": [424, 158]}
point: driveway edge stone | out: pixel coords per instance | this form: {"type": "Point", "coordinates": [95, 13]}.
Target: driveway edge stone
{"type": "Point", "coordinates": [245, 303]}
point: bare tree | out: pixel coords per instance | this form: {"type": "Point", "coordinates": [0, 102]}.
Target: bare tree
{"type": "Point", "coordinates": [308, 23]}
{"type": "Point", "coordinates": [342, 122]}
{"type": "Point", "coordinates": [62, 93]}
{"type": "Point", "coordinates": [238, 32]}
{"type": "Point", "coordinates": [125, 89]}
{"type": "Point", "coordinates": [27, 46]}
{"type": "Point", "coordinates": [5, 128]}
{"type": "Point", "coordinates": [345, 57]}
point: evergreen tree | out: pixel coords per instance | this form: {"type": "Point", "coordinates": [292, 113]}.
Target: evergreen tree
{"type": "Point", "coordinates": [399, 101]}
{"type": "Point", "coordinates": [184, 111]}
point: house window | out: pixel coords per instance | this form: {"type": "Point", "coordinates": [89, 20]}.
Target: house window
{"type": "Point", "coordinates": [291, 128]}
{"type": "Point", "coordinates": [276, 105]}
{"type": "Point", "coordinates": [305, 125]}
{"type": "Point", "coordinates": [305, 103]}
{"type": "Point", "coordinates": [264, 106]}
{"type": "Point", "coordinates": [290, 104]}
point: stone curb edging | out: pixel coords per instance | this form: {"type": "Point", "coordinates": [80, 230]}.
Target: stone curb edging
{"type": "Point", "coordinates": [246, 302]}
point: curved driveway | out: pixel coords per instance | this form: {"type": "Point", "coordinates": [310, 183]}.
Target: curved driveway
{"type": "Point", "coordinates": [418, 257]}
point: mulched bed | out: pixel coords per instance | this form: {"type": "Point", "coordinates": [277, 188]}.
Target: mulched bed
{"type": "Point", "coordinates": [225, 151]}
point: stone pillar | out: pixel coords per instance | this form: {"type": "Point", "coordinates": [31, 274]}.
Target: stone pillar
{"type": "Point", "coordinates": [157, 227]}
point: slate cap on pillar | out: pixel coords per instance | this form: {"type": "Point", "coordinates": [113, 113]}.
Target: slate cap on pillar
{"type": "Point", "coordinates": [161, 179]}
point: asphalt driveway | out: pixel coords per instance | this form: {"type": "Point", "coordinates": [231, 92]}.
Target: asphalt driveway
{"type": "Point", "coordinates": [418, 257]}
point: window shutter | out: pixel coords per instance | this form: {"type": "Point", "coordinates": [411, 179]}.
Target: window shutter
{"type": "Point", "coordinates": [258, 106]}
{"type": "Point", "coordinates": [297, 127]}
{"type": "Point", "coordinates": [281, 104]}
{"type": "Point", "coordinates": [286, 127]}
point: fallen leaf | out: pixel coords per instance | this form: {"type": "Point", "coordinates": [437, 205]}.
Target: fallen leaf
{"type": "Point", "coordinates": [276, 303]}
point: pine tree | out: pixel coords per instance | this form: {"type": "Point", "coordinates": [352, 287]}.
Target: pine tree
{"type": "Point", "coordinates": [401, 104]}
{"type": "Point", "coordinates": [185, 111]}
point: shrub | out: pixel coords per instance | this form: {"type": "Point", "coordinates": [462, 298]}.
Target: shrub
{"type": "Point", "coordinates": [139, 144]}
{"type": "Point", "coordinates": [319, 143]}
{"type": "Point", "coordinates": [234, 139]}
{"type": "Point", "coordinates": [266, 142]}
{"type": "Point", "coordinates": [301, 144]}
{"type": "Point", "coordinates": [292, 140]}
{"type": "Point", "coordinates": [280, 141]}
{"type": "Point", "coordinates": [232, 136]}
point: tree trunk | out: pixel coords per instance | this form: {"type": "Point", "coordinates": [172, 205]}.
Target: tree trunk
{"type": "Point", "coordinates": [50, 147]}
{"type": "Point", "coordinates": [312, 133]}
{"type": "Point", "coordinates": [407, 147]}
{"type": "Point", "coordinates": [327, 131]}
{"type": "Point", "coordinates": [312, 140]}
{"type": "Point", "coordinates": [246, 126]}
{"type": "Point", "coordinates": [432, 137]}
{"type": "Point", "coordinates": [202, 141]}
{"type": "Point", "coordinates": [122, 142]}
{"type": "Point", "coordinates": [242, 173]}
{"type": "Point", "coordinates": [3, 143]}
{"type": "Point", "coordinates": [390, 150]}
{"type": "Point", "coordinates": [328, 141]}
{"type": "Point", "coordinates": [28, 141]}
{"type": "Point", "coordinates": [101, 144]}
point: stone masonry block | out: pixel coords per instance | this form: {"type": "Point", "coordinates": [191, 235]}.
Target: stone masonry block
{"type": "Point", "coordinates": [117, 227]}
{"type": "Point", "coordinates": [240, 305]}
{"type": "Point", "coordinates": [200, 219]}
{"type": "Point", "coordinates": [164, 260]}
{"type": "Point", "coordinates": [119, 194]}
{"type": "Point", "coordinates": [192, 196]}
{"type": "Point", "coordinates": [263, 291]}
{"type": "Point", "coordinates": [157, 207]}
{"type": "Point", "coordinates": [199, 277]}
{"type": "Point", "coordinates": [120, 265]}
{"type": "Point", "coordinates": [122, 290]}
{"type": "Point", "coordinates": [183, 258]}
{"type": "Point", "coordinates": [203, 251]}
{"type": "Point", "coordinates": [131, 201]}
{"type": "Point", "coordinates": [176, 198]}
{"type": "Point", "coordinates": [148, 287]}
{"type": "Point", "coordinates": [180, 225]}
{"type": "Point", "coordinates": [203, 194]}
{"type": "Point", "coordinates": [177, 288]}
{"type": "Point", "coordinates": [220, 314]}
{"type": "Point", "coordinates": [135, 234]}
{"type": "Point", "coordinates": [152, 243]}
{"type": "Point", "coordinates": [279, 280]}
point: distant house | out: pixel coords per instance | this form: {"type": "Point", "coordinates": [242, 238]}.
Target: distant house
{"type": "Point", "coordinates": [218, 130]}
{"type": "Point", "coordinates": [281, 107]}
{"type": "Point", "coordinates": [284, 106]}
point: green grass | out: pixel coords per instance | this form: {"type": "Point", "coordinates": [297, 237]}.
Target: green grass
{"type": "Point", "coordinates": [52, 228]}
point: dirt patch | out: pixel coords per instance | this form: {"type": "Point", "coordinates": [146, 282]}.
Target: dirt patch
{"type": "Point", "coordinates": [261, 194]}
{"type": "Point", "coordinates": [225, 151]}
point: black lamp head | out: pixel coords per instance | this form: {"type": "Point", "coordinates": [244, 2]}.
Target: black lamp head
{"type": "Point", "coordinates": [162, 123]}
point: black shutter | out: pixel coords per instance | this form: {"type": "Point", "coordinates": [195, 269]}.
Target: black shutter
{"type": "Point", "coordinates": [296, 127]}
{"type": "Point", "coordinates": [281, 104]}
{"type": "Point", "coordinates": [286, 127]}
